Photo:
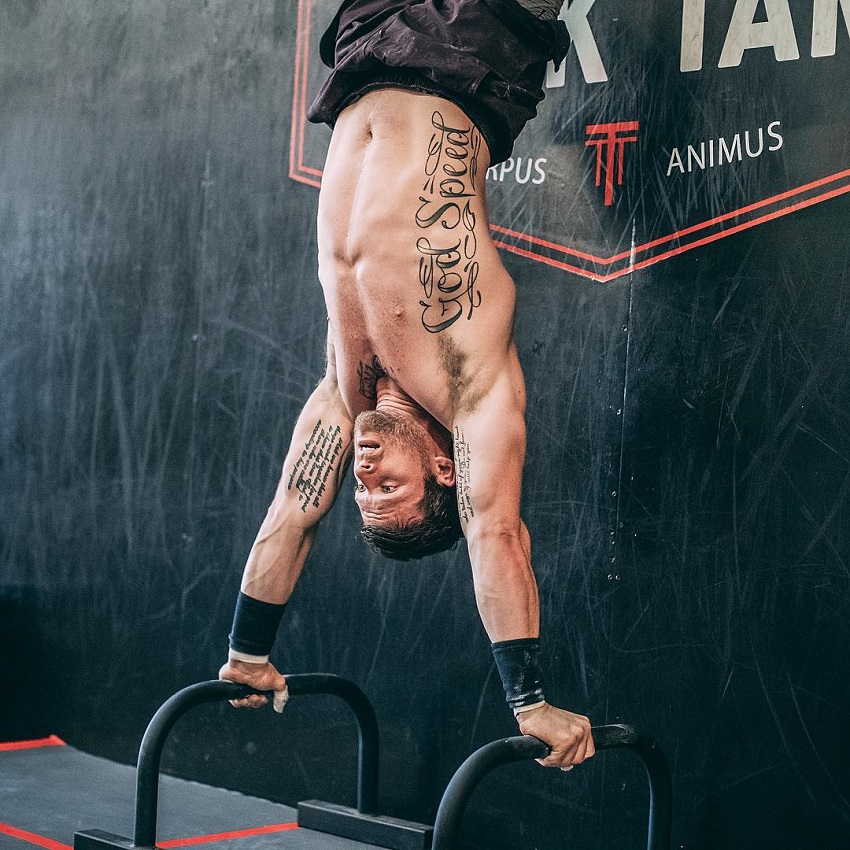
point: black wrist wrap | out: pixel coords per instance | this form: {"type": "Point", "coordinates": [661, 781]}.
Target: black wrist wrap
{"type": "Point", "coordinates": [254, 625]}
{"type": "Point", "coordinates": [518, 662]}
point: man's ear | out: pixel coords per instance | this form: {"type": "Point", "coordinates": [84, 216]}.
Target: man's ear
{"type": "Point", "coordinates": [444, 471]}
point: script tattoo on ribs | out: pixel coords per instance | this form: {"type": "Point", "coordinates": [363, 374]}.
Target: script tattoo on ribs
{"type": "Point", "coordinates": [448, 269]}
{"type": "Point", "coordinates": [314, 467]}
{"type": "Point", "coordinates": [462, 459]}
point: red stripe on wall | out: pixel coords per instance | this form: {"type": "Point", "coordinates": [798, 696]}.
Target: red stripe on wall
{"type": "Point", "coordinates": [226, 836]}
{"type": "Point", "coordinates": [52, 741]}
{"type": "Point", "coordinates": [32, 838]}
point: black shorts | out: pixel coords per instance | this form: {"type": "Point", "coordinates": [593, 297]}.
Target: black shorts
{"type": "Point", "coordinates": [487, 56]}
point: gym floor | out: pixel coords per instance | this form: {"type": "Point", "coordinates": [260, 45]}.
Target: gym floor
{"type": "Point", "coordinates": [50, 791]}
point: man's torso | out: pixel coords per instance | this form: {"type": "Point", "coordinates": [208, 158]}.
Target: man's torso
{"type": "Point", "coordinates": [413, 285]}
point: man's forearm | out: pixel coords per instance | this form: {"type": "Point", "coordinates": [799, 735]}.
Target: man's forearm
{"type": "Point", "coordinates": [506, 592]}
{"type": "Point", "coordinates": [310, 480]}
{"type": "Point", "coordinates": [505, 587]}
{"type": "Point", "coordinates": [276, 558]}
{"type": "Point", "coordinates": [311, 477]}
{"type": "Point", "coordinates": [273, 568]}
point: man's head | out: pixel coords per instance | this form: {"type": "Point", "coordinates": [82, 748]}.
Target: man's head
{"type": "Point", "coordinates": [404, 486]}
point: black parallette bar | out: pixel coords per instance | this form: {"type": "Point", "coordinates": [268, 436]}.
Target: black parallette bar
{"type": "Point", "coordinates": [524, 747]}
{"type": "Point", "coordinates": [657, 772]}
{"type": "Point", "coordinates": [97, 839]}
{"type": "Point", "coordinates": [150, 752]}
{"type": "Point", "coordinates": [377, 830]}
{"type": "Point", "coordinates": [368, 750]}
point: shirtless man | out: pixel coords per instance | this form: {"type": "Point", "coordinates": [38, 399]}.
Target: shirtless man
{"type": "Point", "coordinates": [423, 386]}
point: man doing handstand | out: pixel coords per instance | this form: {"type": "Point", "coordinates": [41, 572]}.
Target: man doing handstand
{"type": "Point", "coordinates": [423, 386]}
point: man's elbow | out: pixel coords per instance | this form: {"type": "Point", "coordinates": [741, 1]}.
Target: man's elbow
{"type": "Point", "coordinates": [501, 566]}
{"type": "Point", "coordinates": [500, 539]}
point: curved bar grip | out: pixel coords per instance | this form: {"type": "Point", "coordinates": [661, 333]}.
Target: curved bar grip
{"type": "Point", "coordinates": [150, 751]}
{"type": "Point", "coordinates": [524, 747]}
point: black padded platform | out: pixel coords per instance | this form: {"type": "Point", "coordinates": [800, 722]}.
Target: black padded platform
{"type": "Point", "coordinates": [49, 791]}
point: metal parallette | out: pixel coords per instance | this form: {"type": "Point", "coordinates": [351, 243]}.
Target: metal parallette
{"type": "Point", "coordinates": [361, 824]}
{"type": "Point", "coordinates": [524, 747]}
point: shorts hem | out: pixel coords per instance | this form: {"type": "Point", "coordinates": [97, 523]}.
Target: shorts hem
{"type": "Point", "coordinates": [484, 120]}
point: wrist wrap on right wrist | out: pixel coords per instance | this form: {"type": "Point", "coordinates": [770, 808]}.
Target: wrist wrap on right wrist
{"type": "Point", "coordinates": [518, 663]}
{"type": "Point", "coordinates": [254, 625]}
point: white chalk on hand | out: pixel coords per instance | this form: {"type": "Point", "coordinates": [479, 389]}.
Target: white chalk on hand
{"type": "Point", "coordinates": [281, 698]}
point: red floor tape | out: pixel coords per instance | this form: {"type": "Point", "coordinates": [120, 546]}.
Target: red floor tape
{"type": "Point", "coordinates": [50, 844]}
{"type": "Point", "coordinates": [226, 836]}
{"type": "Point", "coordinates": [32, 838]}
{"type": "Point", "coordinates": [52, 741]}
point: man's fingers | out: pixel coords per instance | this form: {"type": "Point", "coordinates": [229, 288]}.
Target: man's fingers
{"type": "Point", "coordinates": [569, 757]}
{"type": "Point", "coordinates": [580, 754]}
{"type": "Point", "coordinates": [281, 698]}
{"type": "Point", "coordinates": [253, 701]}
{"type": "Point", "coordinates": [557, 758]}
{"type": "Point", "coordinates": [261, 677]}
{"type": "Point", "coordinates": [583, 751]}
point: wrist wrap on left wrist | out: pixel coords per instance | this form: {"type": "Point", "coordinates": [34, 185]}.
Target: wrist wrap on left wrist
{"type": "Point", "coordinates": [518, 663]}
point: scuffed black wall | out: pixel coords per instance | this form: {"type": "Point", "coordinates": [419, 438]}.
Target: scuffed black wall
{"type": "Point", "coordinates": [689, 458]}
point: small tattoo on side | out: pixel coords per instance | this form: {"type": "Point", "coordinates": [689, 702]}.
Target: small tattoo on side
{"type": "Point", "coordinates": [463, 457]}
{"type": "Point", "coordinates": [368, 375]}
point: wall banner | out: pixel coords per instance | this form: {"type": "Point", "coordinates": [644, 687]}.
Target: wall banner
{"type": "Point", "coordinates": [670, 126]}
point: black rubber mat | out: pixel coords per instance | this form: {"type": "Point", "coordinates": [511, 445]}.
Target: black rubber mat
{"type": "Point", "coordinates": [49, 791]}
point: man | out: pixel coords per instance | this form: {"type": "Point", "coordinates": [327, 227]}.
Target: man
{"type": "Point", "coordinates": [423, 386]}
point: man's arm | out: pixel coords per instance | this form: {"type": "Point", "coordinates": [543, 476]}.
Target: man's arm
{"type": "Point", "coordinates": [312, 475]}
{"type": "Point", "coordinates": [489, 457]}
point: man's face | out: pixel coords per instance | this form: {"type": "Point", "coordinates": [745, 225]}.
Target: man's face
{"type": "Point", "coordinates": [390, 464]}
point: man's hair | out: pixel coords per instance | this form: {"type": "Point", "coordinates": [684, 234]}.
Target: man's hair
{"type": "Point", "coordinates": [438, 530]}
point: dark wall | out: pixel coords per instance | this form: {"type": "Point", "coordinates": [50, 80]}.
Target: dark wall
{"type": "Point", "coordinates": [689, 443]}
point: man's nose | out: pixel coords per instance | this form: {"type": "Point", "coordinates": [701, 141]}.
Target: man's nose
{"type": "Point", "coordinates": [368, 460]}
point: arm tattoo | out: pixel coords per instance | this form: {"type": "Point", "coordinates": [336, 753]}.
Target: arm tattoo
{"type": "Point", "coordinates": [464, 490]}
{"type": "Point", "coordinates": [314, 467]}
{"type": "Point", "coordinates": [448, 269]}
{"type": "Point", "coordinates": [369, 373]}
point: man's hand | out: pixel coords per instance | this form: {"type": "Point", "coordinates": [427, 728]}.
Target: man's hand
{"type": "Point", "coordinates": [263, 677]}
{"type": "Point", "coordinates": [566, 733]}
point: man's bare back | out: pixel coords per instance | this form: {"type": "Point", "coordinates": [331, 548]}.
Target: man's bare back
{"type": "Point", "coordinates": [412, 282]}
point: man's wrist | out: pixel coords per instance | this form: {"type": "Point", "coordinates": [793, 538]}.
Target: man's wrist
{"type": "Point", "coordinates": [254, 629]}
{"type": "Point", "coordinates": [526, 709]}
{"type": "Point", "coordinates": [518, 663]}
{"type": "Point", "coordinates": [246, 658]}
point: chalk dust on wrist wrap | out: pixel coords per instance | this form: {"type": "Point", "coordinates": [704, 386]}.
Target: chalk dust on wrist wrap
{"type": "Point", "coordinates": [518, 663]}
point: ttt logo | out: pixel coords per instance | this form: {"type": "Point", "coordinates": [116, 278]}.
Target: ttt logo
{"type": "Point", "coordinates": [610, 143]}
